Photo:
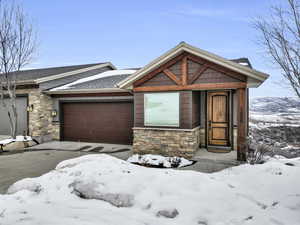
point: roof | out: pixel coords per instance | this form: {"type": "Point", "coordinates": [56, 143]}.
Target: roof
{"type": "Point", "coordinates": [242, 61]}
{"type": "Point", "coordinates": [106, 80]}
{"type": "Point", "coordinates": [34, 74]}
{"type": "Point", "coordinates": [256, 77]}
{"type": "Point", "coordinates": [76, 75]}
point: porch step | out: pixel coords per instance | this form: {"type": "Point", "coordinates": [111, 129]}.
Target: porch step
{"type": "Point", "coordinates": [219, 149]}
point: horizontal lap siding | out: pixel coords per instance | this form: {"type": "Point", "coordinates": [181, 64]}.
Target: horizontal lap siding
{"type": "Point", "coordinates": [176, 69]}
{"type": "Point", "coordinates": [139, 109]}
{"type": "Point", "coordinates": [186, 109]}
{"type": "Point", "coordinates": [159, 80]}
{"type": "Point", "coordinates": [213, 76]}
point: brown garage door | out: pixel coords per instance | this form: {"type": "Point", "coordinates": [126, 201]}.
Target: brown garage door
{"type": "Point", "coordinates": [105, 122]}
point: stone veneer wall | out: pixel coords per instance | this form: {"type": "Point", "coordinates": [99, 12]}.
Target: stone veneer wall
{"type": "Point", "coordinates": [56, 131]}
{"type": "Point", "coordinates": [167, 142]}
{"type": "Point", "coordinates": [202, 137]}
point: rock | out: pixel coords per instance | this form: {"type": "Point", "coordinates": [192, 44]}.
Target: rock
{"type": "Point", "coordinates": [171, 213]}
{"type": "Point", "coordinates": [89, 191]}
{"type": "Point", "coordinates": [29, 144]}
{"type": "Point", "coordinates": [14, 146]}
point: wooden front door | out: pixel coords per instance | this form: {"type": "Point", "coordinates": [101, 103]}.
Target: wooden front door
{"type": "Point", "coordinates": [218, 118]}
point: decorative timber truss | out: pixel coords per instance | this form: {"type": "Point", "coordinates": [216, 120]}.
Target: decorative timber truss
{"type": "Point", "coordinates": [203, 75]}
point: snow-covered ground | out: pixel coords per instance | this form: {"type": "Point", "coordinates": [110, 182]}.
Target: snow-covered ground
{"type": "Point", "coordinates": [100, 189]}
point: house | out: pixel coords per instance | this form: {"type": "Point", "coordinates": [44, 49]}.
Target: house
{"type": "Point", "coordinates": [185, 99]}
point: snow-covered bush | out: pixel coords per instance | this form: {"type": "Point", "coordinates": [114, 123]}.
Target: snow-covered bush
{"type": "Point", "coordinates": [256, 152]}
{"type": "Point", "coordinates": [159, 161]}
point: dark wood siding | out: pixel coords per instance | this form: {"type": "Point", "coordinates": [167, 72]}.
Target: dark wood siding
{"type": "Point", "coordinates": [203, 109]}
{"type": "Point", "coordinates": [196, 109]}
{"type": "Point", "coordinates": [159, 80]}
{"type": "Point", "coordinates": [139, 109]}
{"type": "Point", "coordinates": [176, 69]}
{"type": "Point", "coordinates": [213, 76]}
{"type": "Point", "coordinates": [104, 122]}
{"type": "Point", "coordinates": [186, 109]}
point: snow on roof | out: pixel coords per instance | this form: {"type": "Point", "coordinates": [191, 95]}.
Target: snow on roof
{"type": "Point", "coordinates": [109, 73]}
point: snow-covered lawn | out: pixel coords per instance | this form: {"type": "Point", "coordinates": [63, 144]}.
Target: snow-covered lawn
{"type": "Point", "coordinates": [100, 189]}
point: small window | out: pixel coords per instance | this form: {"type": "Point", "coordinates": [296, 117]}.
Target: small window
{"type": "Point", "coordinates": [161, 109]}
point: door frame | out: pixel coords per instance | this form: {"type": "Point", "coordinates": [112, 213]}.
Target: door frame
{"type": "Point", "coordinates": [230, 118]}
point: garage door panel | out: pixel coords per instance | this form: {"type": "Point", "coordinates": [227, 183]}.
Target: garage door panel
{"type": "Point", "coordinates": [98, 122]}
{"type": "Point", "coordinates": [22, 117]}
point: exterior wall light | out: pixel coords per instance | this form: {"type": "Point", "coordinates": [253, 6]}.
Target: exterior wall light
{"type": "Point", "coordinates": [29, 108]}
{"type": "Point", "coordinates": [54, 113]}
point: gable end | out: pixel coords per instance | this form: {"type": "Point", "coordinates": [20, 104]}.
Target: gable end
{"type": "Point", "coordinates": [186, 71]}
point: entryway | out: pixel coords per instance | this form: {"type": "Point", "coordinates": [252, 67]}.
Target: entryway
{"type": "Point", "coordinates": [218, 121]}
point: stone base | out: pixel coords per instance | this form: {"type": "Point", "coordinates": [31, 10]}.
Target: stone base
{"type": "Point", "coordinates": [166, 142]}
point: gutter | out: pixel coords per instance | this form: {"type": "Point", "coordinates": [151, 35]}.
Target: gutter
{"type": "Point", "coordinates": [86, 91]}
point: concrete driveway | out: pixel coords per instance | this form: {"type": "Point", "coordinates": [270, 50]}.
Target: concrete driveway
{"type": "Point", "coordinates": [44, 157]}
{"type": "Point", "coordinates": [14, 167]}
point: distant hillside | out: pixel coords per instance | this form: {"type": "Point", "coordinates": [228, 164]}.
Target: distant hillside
{"type": "Point", "coordinates": [274, 111]}
{"type": "Point", "coordinates": [275, 121]}
{"type": "Point", "coordinates": [275, 105]}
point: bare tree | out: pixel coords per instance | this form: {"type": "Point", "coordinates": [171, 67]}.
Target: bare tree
{"type": "Point", "coordinates": [280, 37]}
{"type": "Point", "coordinates": [17, 46]}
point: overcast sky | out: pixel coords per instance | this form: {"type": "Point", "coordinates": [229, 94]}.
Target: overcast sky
{"type": "Point", "coordinates": [132, 33]}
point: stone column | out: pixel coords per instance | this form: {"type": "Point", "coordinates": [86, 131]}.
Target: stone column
{"type": "Point", "coordinates": [40, 120]}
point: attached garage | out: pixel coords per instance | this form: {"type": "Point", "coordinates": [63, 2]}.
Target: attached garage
{"type": "Point", "coordinates": [103, 122]}
{"type": "Point", "coordinates": [22, 103]}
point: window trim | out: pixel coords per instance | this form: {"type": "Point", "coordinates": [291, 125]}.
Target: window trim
{"type": "Point", "coordinates": [162, 126]}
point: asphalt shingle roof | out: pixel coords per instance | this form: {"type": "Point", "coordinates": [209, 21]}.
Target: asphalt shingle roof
{"type": "Point", "coordinates": [65, 80]}
{"type": "Point", "coordinates": [106, 82]}
{"type": "Point", "coordinates": [33, 74]}
{"type": "Point", "coordinates": [242, 61]}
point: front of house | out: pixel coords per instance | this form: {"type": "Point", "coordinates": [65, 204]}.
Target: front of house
{"type": "Point", "coordinates": [185, 99]}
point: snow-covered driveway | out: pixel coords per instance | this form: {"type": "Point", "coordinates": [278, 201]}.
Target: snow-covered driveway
{"type": "Point", "coordinates": [116, 192]}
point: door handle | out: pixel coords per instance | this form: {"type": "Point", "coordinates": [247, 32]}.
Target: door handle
{"type": "Point", "coordinates": [209, 123]}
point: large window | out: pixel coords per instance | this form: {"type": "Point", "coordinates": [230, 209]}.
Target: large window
{"type": "Point", "coordinates": [161, 109]}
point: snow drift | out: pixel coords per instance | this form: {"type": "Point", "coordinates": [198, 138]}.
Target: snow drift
{"type": "Point", "coordinates": [100, 189]}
